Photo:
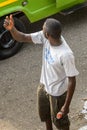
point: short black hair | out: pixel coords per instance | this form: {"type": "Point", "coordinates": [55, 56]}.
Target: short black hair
{"type": "Point", "coordinates": [53, 28]}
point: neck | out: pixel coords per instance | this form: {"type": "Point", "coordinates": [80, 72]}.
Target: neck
{"type": "Point", "coordinates": [56, 42]}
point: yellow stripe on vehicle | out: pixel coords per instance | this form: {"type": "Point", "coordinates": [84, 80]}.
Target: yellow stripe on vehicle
{"type": "Point", "coordinates": [7, 2]}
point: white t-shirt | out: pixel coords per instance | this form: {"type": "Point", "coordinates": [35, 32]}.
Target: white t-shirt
{"type": "Point", "coordinates": [57, 65]}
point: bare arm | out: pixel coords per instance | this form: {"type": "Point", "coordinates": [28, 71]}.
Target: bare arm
{"type": "Point", "coordinates": [17, 35]}
{"type": "Point", "coordinates": [70, 92]}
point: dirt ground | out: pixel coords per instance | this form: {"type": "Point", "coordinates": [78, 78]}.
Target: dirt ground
{"type": "Point", "coordinates": [19, 77]}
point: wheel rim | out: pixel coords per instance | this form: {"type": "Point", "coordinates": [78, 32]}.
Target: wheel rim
{"type": "Point", "coordinates": [6, 40]}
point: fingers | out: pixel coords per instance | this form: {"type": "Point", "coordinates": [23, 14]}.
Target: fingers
{"type": "Point", "coordinates": [11, 17]}
{"type": "Point", "coordinates": [8, 22]}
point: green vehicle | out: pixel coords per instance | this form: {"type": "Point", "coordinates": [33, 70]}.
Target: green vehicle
{"type": "Point", "coordinates": [34, 10]}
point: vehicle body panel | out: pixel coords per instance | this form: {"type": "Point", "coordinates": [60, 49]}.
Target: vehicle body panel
{"type": "Point", "coordinates": [36, 9]}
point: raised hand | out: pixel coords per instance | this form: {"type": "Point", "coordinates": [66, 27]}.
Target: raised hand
{"type": "Point", "coordinates": [8, 23]}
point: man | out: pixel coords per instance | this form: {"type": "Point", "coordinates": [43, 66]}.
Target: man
{"type": "Point", "coordinates": [57, 82]}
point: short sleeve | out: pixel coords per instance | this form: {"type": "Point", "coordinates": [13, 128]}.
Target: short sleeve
{"type": "Point", "coordinates": [68, 62]}
{"type": "Point", "coordinates": [37, 37]}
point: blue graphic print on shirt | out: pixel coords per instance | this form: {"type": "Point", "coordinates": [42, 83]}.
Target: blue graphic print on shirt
{"type": "Point", "coordinates": [48, 56]}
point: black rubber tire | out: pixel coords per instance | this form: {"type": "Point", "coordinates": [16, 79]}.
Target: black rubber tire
{"type": "Point", "coordinates": [8, 46]}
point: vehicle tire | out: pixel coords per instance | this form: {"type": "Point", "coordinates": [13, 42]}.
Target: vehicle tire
{"type": "Point", "coordinates": [9, 46]}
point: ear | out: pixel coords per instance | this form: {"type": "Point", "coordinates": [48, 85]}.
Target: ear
{"type": "Point", "coordinates": [47, 35]}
